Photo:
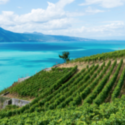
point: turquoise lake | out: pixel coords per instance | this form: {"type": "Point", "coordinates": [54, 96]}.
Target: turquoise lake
{"type": "Point", "coordinates": [19, 60]}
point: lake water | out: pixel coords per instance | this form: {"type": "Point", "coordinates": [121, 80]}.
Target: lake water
{"type": "Point", "coordinates": [19, 60]}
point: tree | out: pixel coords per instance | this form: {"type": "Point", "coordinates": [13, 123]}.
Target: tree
{"type": "Point", "coordinates": [65, 56]}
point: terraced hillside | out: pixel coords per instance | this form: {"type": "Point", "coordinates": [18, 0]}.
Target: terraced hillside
{"type": "Point", "coordinates": [68, 96]}
{"type": "Point", "coordinates": [38, 83]}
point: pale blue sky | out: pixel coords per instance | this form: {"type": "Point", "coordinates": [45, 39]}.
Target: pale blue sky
{"type": "Point", "coordinates": [97, 19]}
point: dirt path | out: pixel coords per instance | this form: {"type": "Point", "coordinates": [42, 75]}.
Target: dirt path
{"type": "Point", "coordinates": [80, 65]}
{"type": "Point", "coordinates": [83, 64]}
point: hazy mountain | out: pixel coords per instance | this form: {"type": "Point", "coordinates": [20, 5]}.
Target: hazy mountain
{"type": "Point", "coordinates": [8, 36]}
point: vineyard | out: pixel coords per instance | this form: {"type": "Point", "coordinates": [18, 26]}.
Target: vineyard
{"type": "Point", "coordinates": [38, 83]}
{"type": "Point", "coordinates": [106, 114]}
{"type": "Point", "coordinates": [93, 95]}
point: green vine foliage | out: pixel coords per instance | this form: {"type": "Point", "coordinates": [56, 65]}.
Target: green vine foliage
{"type": "Point", "coordinates": [38, 83]}
{"type": "Point", "coordinates": [68, 97]}
{"type": "Point", "coordinates": [106, 114]}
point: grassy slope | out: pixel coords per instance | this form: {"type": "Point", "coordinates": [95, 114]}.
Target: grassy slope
{"type": "Point", "coordinates": [36, 84]}
{"type": "Point", "coordinates": [76, 89]}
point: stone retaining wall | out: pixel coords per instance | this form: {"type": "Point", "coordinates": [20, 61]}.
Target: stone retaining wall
{"type": "Point", "coordinates": [17, 102]}
{"type": "Point", "coordinates": [2, 100]}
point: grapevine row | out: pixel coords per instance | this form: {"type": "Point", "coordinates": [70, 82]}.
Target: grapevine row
{"type": "Point", "coordinates": [100, 86]}
{"type": "Point", "coordinates": [75, 99]}
{"type": "Point", "coordinates": [61, 88]}
{"type": "Point", "coordinates": [60, 81]}
{"type": "Point", "coordinates": [40, 81]}
{"type": "Point", "coordinates": [47, 98]}
{"type": "Point", "coordinates": [87, 90]}
{"type": "Point", "coordinates": [119, 85]}
{"type": "Point", "coordinates": [63, 99]}
{"type": "Point", "coordinates": [34, 102]}
{"type": "Point", "coordinates": [57, 94]}
{"type": "Point", "coordinates": [106, 114]}
{"type": "Point", "coordinates": [104, 93]}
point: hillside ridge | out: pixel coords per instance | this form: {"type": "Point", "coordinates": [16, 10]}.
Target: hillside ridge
{"type": "Point", "coordinates": [8, 36]}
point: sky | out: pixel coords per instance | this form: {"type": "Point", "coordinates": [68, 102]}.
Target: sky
{"type": "Point", "coordinates": [95, 19]}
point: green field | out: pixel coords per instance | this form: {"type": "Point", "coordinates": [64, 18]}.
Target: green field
{"type": "Point", "coordinates": [66, 96]}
